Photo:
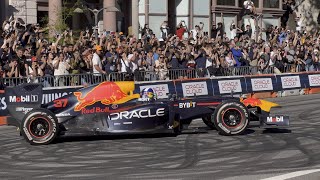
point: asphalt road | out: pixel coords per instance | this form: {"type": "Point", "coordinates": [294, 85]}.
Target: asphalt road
{"type": "Point", "coordinates": [258, 154]}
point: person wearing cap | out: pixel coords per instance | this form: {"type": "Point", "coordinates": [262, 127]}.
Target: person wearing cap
{"type": "Point", "coordinates": [237, 54]}
{"type": "Point", "coordinates": [35, 69]}
{"type": "Point", "coordinates": [96, 62]}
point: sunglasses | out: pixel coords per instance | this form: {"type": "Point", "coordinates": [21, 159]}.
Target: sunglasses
{"type": "Point", "coordinates": [161, 57]}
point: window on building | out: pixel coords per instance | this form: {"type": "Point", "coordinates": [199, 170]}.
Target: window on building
{"type": "Point", "coordinates": [226, 2]}
{"type": "Point", "coordinates": [271, 4]}
{"type": "Point", "coordinates": [255, 2]}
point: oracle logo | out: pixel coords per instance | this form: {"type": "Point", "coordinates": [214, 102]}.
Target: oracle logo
{"type": "Point", "coordinates": [290, 82]}
{"type": "Point", "coordinates": [194, 88]}
{"type": "Point", "coordinates": [229, 86]}
{"type": "Point", "coordinates": [314, 80]}
{"type": "Point", "coordinates": [262, 84]}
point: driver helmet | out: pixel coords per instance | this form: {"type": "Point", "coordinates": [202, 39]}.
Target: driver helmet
{"type": "Point", "coordinates": [148, 93]}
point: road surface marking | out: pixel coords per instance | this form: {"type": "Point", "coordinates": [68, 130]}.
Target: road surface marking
{"type": "Point", "coordinates": [293, 174]}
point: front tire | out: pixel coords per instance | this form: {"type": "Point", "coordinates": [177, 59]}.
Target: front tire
{"type": "Point", "coordinates": [208, 122]}
{"type": "Point", "coordinates": [231, 118]}
{"type": "Point", "coordinates": [39, 127]}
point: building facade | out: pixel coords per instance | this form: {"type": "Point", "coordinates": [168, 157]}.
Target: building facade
{"type": "Point", "coordinates": [136, 13]}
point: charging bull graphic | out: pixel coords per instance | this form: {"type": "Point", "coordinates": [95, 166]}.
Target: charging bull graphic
{"type": "Point", "coordinates": [253, 102]}
{"type": "Point", "coordinates": [263, 104]}
{"type": "Point", "coordinates": [107, 93]}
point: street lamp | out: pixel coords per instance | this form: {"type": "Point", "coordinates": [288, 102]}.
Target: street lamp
{"type": "Point", "coordinates": [96, 13]}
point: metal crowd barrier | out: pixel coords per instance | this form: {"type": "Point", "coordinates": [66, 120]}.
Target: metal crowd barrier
{"type": "Point", "coordinates": [171, 74]}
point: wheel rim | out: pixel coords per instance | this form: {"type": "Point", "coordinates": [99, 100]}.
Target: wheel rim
{"type": "Point", "coordinates": [232, 118]}
{"type": "Point", "coordinates": [39, 127]}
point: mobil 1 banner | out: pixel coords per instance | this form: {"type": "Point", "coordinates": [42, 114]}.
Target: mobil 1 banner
{"type": "Point", "coordinates": [190, 88]}
{"type": "Point", "coordinates": [23, 97]}
{"type": "Point", "coordinates": [47, 96]}
{"type": "Point", "coordinates": [290, 82]}
{"type": "Point", "coordinates": [230, 86]}
{"type": "Point", "coordinates": [261, 84]}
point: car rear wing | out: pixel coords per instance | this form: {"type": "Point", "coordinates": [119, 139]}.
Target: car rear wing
{"type": "Point", "coordinates": [23, 98]}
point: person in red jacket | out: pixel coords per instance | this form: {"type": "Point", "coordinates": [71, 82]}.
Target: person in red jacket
{"type": "Point", "coordinates": [181, 29]}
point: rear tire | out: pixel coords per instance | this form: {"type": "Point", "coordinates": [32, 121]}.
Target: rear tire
{"type": "Point", "coordinates": [39, 127]}
{"type": "Point", "coordinates": [231, 118]}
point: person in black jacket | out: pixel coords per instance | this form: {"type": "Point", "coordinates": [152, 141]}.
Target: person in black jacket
{"type": "Point", "coordinates": [146, 31]}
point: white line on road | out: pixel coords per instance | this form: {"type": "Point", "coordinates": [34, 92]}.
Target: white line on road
{"type": "Point", "coordinates": [293, 174]}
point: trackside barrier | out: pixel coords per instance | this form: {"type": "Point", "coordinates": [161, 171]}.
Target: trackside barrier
{"type": "Point", "coordinates": [141, 76]}
{"type": "Point", "coordinates": [260, 86]}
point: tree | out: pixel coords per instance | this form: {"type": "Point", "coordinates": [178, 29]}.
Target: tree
{"type": "Point", "coordinates": [66, 12]}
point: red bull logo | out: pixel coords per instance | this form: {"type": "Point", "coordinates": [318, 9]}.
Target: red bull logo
{"type": "Point", "coordinates": [107, 93]}
{"type": "Point", "coordinates": [253, 102]}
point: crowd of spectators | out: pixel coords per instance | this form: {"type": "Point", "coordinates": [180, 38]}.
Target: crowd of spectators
{"type": "Point", "coordinates": [26, 50]}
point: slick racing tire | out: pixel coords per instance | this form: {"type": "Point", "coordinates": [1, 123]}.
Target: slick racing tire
{"type": "Point", "coordinates": [39, 127]}
{"type": "Point", "coordinates": [208, 122]}
{"type": "Point", "coordinates": [231, 118]}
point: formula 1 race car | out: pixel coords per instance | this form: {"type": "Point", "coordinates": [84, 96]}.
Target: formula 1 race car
{"type": "Point", "coordinates": [113, 108]}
